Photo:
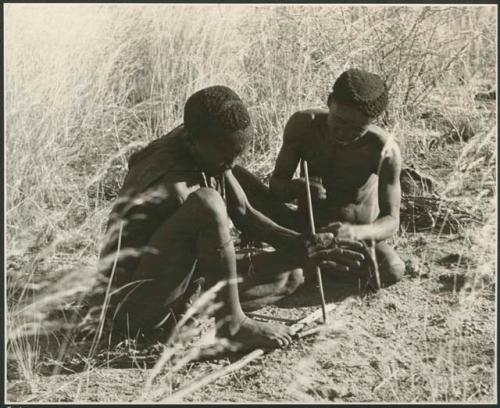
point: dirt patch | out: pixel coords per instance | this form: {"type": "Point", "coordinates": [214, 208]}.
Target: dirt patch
{"type": "Point", "coordinates": [428, 338]}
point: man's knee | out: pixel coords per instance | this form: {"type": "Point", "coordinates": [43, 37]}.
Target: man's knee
{"type": "Point", "coordinates": [211, 204]}
{"type": "Point", "coordinates": [391, 266]}
{"type": "Point", "coordinates": [392, 273]}
{"type": "Point", "coordinates": [295, 279]}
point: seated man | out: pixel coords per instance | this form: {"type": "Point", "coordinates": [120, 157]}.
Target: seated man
{"type": "Point", "coordinates": [354, 168]}
{"type": "Point", "coordinates": [170, 227]}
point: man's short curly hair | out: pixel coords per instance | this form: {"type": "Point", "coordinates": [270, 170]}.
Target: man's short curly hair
{"type": "Point", "coordinates": [361, 89]}
{"type": "Point", "coordinates": [217, 112]}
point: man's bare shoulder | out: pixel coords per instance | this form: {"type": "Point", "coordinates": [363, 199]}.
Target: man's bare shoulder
{"type": "Point", "coordinates": [387, 146]}
{"type": "Point", "coordinates": [383, 139]}
{"type": "Point", "coordinates": [378, 135]}
{"type": "Point", "coordinates": [302, 122]}
{"type": "Point", "coordinates": [309, 115]}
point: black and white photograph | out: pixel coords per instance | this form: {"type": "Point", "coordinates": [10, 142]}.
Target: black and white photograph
{"type": "Point", "coordinates": [250, 203]}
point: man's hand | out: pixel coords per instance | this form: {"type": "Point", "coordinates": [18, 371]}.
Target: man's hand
{"type": "Point", "coordinates": [313, 244]}
{"type": "Point", "coordinates": [344, 255]}
{"type": "Point", "coordinates": [327, 251]}
{"type": "Point", "coordinates": [342, 231]}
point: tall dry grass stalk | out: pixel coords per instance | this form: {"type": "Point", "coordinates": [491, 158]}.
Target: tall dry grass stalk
{"type": "Point", "coordinates": [86, 85]}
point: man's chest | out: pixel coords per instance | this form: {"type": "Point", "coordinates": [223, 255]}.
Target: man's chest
{"type": "Point", "coordinates": [341, 167]}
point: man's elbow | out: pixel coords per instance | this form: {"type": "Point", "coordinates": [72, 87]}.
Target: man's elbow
{"type": "Point", "coordinates": [391, 225]}
{"type": "Point", "coordinates": [394, 224]}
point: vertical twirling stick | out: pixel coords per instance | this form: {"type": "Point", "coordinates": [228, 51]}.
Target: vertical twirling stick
{"type": "Point", "coordinates": [313, 231]}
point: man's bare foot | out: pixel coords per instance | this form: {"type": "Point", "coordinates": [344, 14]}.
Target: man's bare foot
{"type": "Point", "coordinates": [252, 334]}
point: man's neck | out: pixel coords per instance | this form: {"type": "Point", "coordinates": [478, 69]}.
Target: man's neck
{"type": "Point", "coordinates": [188, 148]}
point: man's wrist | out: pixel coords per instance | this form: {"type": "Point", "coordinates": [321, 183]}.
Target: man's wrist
{"type": "Point", "coordinates": [360, 232]}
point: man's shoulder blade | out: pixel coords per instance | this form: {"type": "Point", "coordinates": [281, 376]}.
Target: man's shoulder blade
{"type": "Point", "coordinates": [310, 115]}
{"type": "Point", "coordinates": [303, 122]}
{"type": "Point", "coordinates": [161, 156]}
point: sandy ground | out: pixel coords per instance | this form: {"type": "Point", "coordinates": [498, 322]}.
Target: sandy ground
{"type": "Point", "coordinates": [431, 337]}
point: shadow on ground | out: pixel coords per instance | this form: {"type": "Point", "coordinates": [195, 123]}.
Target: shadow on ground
{"type": "Point", "coordinates": [308, 295]}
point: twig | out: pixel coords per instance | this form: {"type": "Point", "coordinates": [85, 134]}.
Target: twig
{"type": "Point", "coordinates": [310, 332]}
{"type": "Point", "coordinates": [313, 232]}
{"type": "Point", "coordinates": [310, 318]}
{"type": "Point", "coordinates": [278, 319]}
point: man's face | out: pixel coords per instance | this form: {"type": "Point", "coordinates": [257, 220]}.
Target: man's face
{"type": "Point", "coordinates": [214, 157]}
{"type": "Point", "coordinates": [347, 123]}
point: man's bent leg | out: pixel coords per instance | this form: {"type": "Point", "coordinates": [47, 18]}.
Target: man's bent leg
{"type": "Point", "coordinates": [390, 265]}
{"type": "Point", "coordinates": [267, 278]}
{"type": "Point", "coordinates": [206, 225]}
{"type": "Point", "coordinates": [198, 230]}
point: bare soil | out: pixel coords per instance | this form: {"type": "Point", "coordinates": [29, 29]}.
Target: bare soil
{"type": "Point", "coordinates": [430, 337]}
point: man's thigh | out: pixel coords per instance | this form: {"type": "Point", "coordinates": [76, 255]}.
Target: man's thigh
{"type": "Point", "coordinates": [164, 269]}
{"type": "Point", "coordinates": [267, 274]}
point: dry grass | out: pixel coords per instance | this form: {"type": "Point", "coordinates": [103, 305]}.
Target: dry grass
{"type": "Point", "coordinates": [86, 85]}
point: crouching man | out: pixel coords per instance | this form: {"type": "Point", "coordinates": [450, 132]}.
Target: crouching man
{"type": "Point", "coordinates": [170, 227]}
{"type": "Point", "coordinates": [354, 168]}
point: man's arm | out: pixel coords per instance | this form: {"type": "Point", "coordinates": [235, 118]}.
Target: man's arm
{"type": "Point", "coordinates": [300, 248]}
{"type": "Point", "coordinates": [281, 184]}
{"type": "Point", "coordinates": [389, 193]}
{"type": "Point", "coordinates": [248, 219]}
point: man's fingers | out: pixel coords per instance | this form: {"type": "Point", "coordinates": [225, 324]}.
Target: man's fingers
{"type": "Point", "coordinates": [334, 265]}
{"type": "Point", "coordinates": [338, 253]}
{"type": "Point", "coordinates": [285, 340]}
{"type": "Point", "coordinates": [344, 261]}
{"type": "Point", "coordinates": [336, 270]}
{"type": "Point", "coordinates": [351, 263]}
{"type": "Point", "coordinates": [348, 254]}
{"type": "Point", "coordinates": [341, 267]}
{"type": "Point", "coordinates": [350, 243]}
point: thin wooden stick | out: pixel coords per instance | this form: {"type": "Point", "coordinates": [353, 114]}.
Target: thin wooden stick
{"type": "Point", "coordinates": [265, 317]}
{"type": "Point", "coordinates": [312, 317]}
{"type": "Point", "coordinates": [310, 332]}
{"type": "Point", "coordinates": [313, 231]}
